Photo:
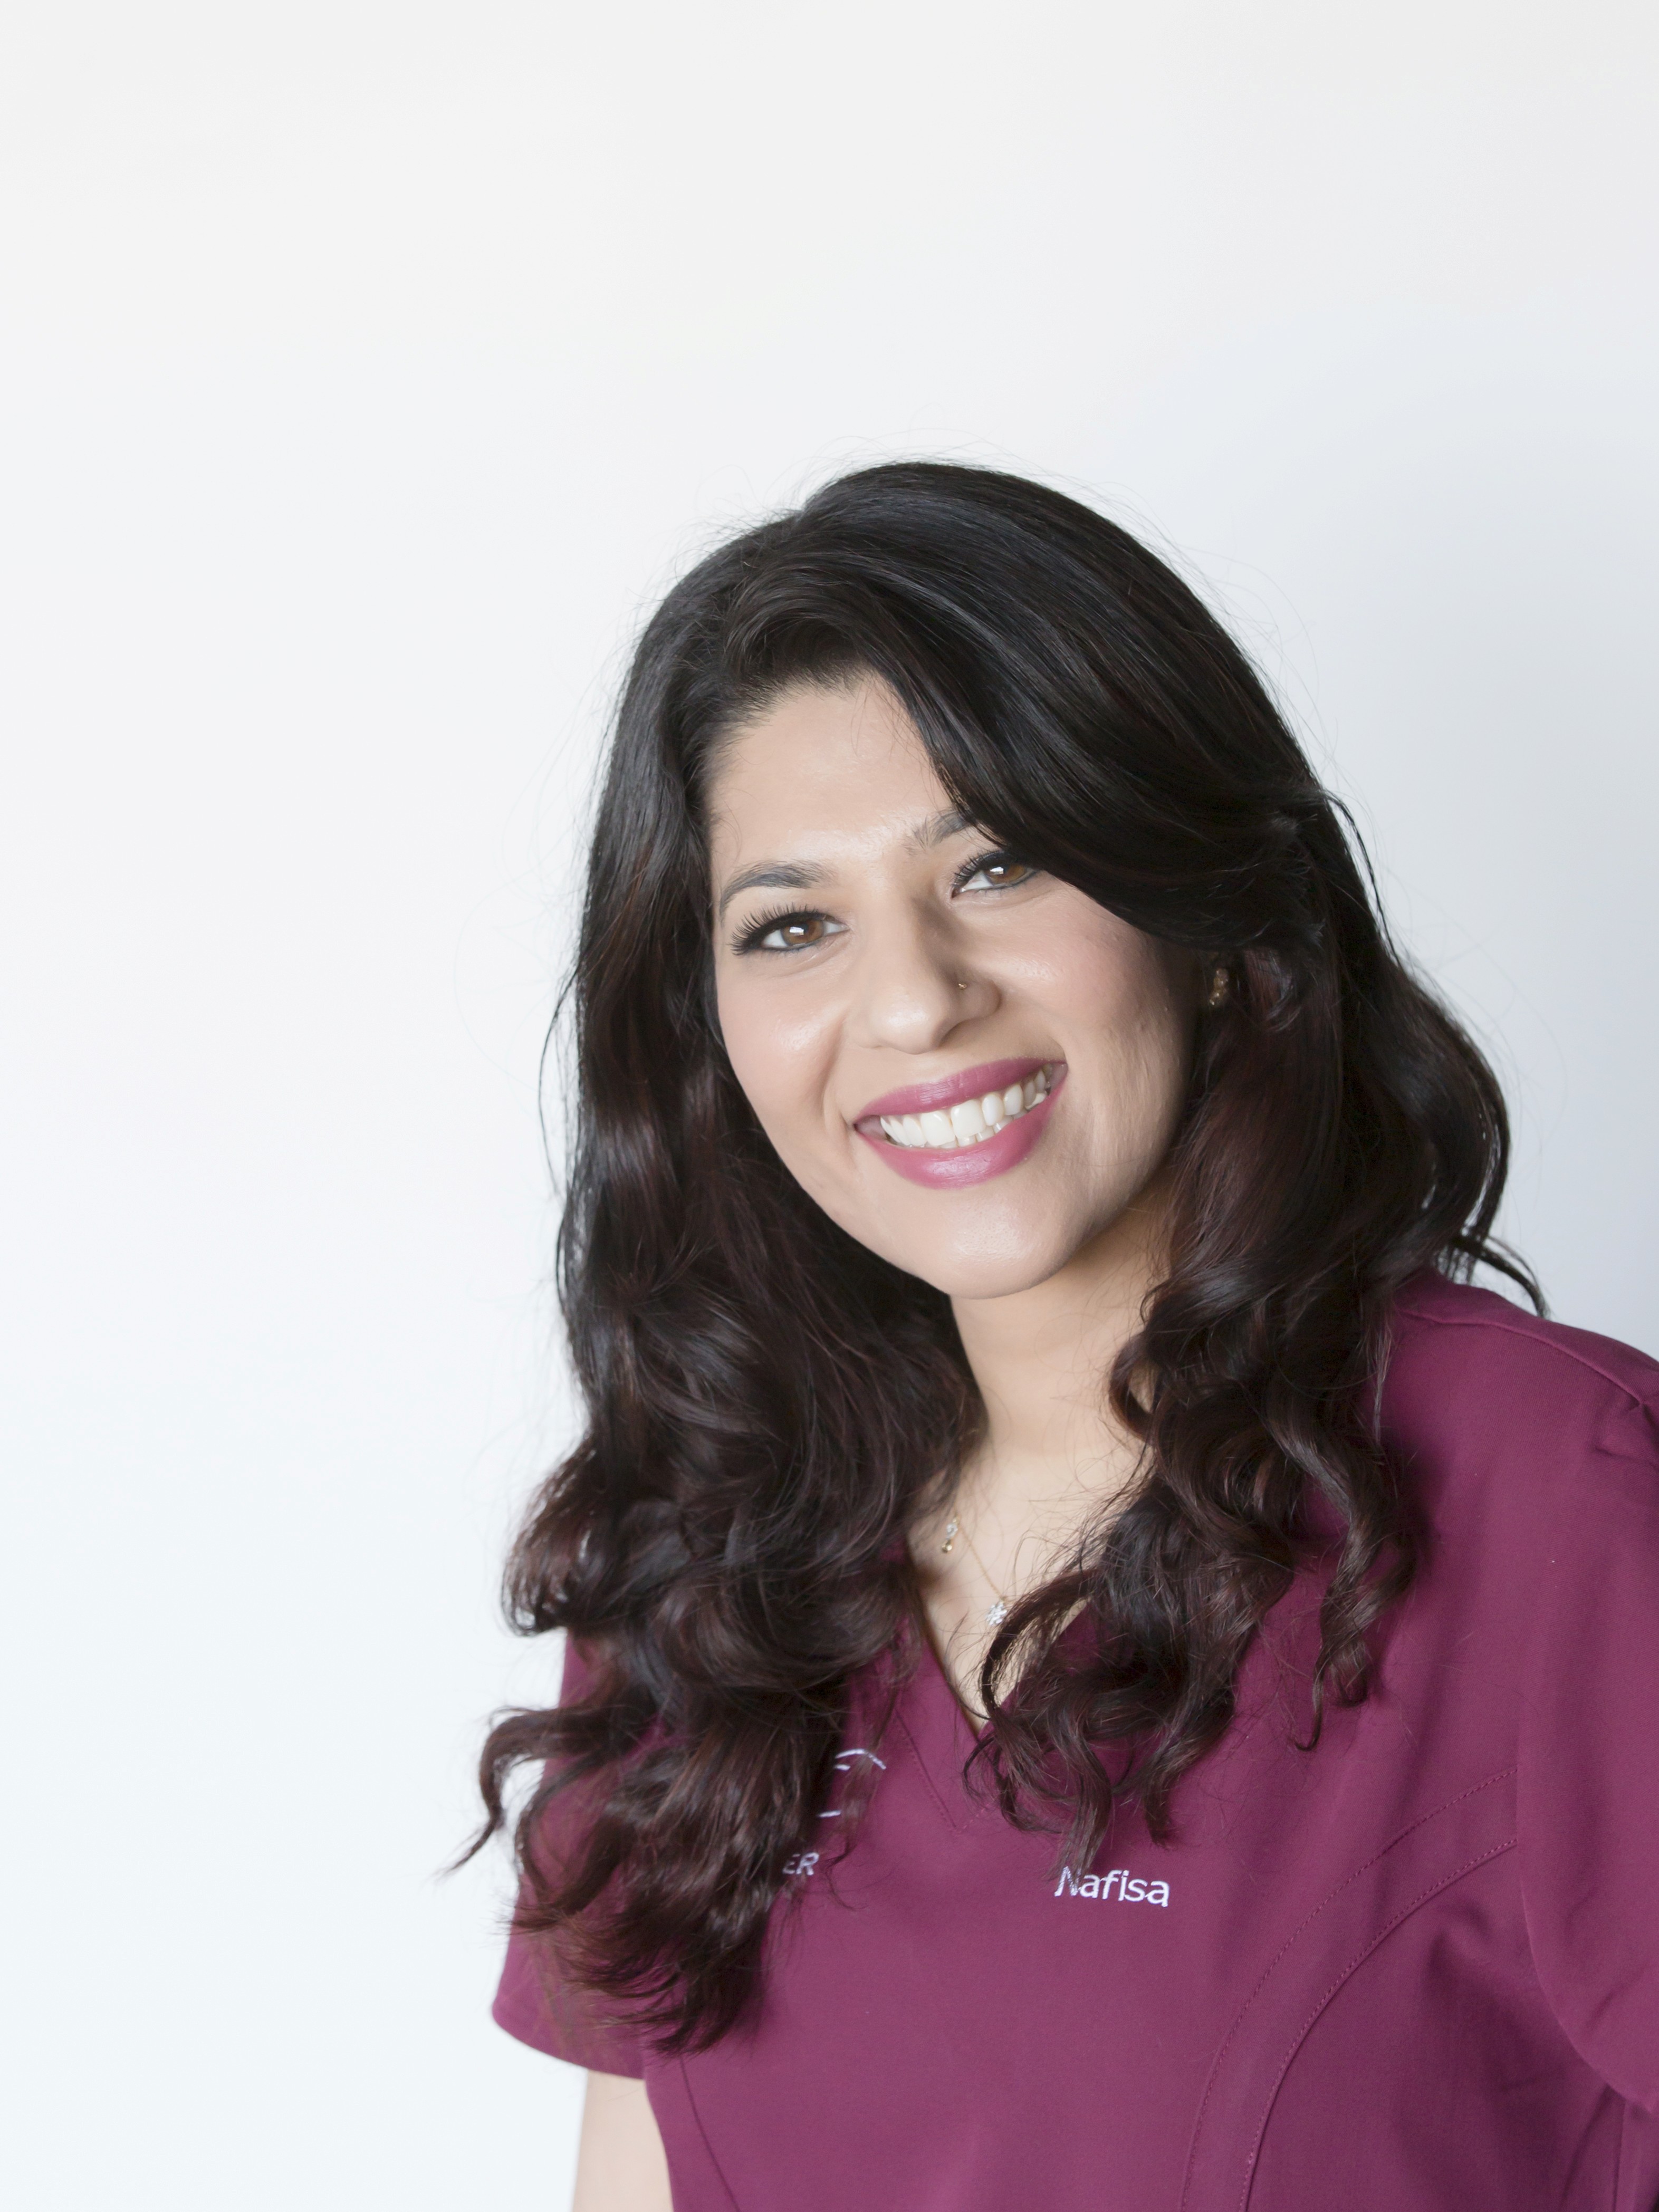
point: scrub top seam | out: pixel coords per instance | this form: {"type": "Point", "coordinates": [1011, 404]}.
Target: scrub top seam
{"type": "Point", "coordinates": [1300, 1929]}
{"type": "Point", "coordinates": [718, 2169]}
{"type": "Point", "coordinates": [957, 1824]}
{"type": "Point", "coordinates": [1423, 1896]}
{"type": "Point", "coordinates": [1540, 1344]}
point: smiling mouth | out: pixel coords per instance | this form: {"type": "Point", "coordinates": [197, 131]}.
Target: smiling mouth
{"type": "Point", "coordinates": [971, 1120]}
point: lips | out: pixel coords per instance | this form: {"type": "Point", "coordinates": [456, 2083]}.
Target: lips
{"type": "Point", "coordinates": [948, 1090]}
{"type": "Point", "coordinates": [963, 1128]}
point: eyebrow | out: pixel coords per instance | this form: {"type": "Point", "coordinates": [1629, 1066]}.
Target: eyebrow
{"type": "Point", "coordinates": [940, 829]}
{"type": "Point", "coordinates": [801, 876]}
{"type": "Point", "coordinates": [771, 875]}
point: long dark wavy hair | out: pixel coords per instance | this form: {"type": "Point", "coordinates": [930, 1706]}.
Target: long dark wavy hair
{"type": "Point", "coordinates": [769, 1406]}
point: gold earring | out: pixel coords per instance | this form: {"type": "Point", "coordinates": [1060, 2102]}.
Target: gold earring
{"type": "Point", "coordinates": [961, 987]}
{"type": "Point", "coordinates": [1218, 987]}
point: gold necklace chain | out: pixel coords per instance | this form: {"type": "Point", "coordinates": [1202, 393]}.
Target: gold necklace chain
{"type": "Point", "coordinates": [997, 1612]}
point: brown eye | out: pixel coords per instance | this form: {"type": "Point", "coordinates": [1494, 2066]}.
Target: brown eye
{"type": "Point", "coordinates": [789, 932]}
{"type": "Point", "coordinates": [1001, 871]}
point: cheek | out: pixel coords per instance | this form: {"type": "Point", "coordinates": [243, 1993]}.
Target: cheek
{"type": "Point", "coordinates": [1150, 1047]}
{"type": "Point", "coordinates": [1125, 1006]}
{"type": "Point", "coordinates": [1102, 979]}
{"type": "Point", "coordinates": [1146, 1092]}
{"type": "Point", "coordinates": [780, 1054]}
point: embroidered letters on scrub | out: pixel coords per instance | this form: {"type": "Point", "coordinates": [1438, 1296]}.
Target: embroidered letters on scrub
{"type": "Point", "coordinates": [1129, 1891]}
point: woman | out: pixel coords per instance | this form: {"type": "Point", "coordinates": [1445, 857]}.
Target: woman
{"type": "Point", "coordinates": [1101, 1671]}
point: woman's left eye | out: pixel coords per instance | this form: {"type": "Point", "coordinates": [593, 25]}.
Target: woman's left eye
{"type": "Point", "coordinates": [996, 871]}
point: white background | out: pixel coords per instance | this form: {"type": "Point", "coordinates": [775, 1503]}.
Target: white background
{"type": "Point", "coordinates": [368, 366]}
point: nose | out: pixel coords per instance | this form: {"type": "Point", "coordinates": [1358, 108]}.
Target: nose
{"type": "Point", "coordinates": [913, 989]}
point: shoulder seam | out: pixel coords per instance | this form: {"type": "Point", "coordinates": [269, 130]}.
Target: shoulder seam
{"type": "Point", "coordinates": [1545, 1343]}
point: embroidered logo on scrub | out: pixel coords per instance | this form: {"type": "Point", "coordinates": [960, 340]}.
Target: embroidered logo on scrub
{"type": "Point", "coordinates": [844, 1765]}
{"type": "Point", "coordinates": [805, 1863]}
{"type": "Point", "coordinates": [1128, 1890]}
{"type": "Point", "coordinates": [844, 1759]}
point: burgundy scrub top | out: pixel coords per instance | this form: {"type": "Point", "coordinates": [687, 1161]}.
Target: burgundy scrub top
{"type": "Point", "coordinates": [1416, 1968]}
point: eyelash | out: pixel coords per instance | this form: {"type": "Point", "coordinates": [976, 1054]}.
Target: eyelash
{"type": "Point", "coordinates": [750, 939]}
{"type": "Point", "coordinates": [1000, 858]}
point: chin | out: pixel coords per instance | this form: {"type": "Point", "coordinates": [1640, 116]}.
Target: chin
{"type": "Point", "coordinates": [970, 1284]}
{"type": "Point", "coordinates": [973, 1271]}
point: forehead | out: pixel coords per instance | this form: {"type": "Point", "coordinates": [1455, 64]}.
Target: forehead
{"type": "Point", "coordinates": [820, 767]}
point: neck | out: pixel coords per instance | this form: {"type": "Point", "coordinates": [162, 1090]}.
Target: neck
{"type": "Point", "coordinates": [1052, 1453]}
{"type": "Point", "coordinates": [1051, 1457]}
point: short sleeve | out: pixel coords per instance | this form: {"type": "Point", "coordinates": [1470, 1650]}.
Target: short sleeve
{"type": "Point", "coordinates": [534, 2002]}
{"type": "Point", "coordinates": [1589, 1760]}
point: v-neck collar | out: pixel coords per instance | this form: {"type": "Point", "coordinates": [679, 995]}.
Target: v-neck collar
{"type": "Point", "coordinates": [941, 1730]}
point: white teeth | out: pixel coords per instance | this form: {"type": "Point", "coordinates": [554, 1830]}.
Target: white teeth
{"type": "Point", "coordinates": [971, 1122]}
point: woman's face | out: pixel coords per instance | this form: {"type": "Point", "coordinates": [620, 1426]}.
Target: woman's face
{"type": "Point", "coordinates": [971, 1067]}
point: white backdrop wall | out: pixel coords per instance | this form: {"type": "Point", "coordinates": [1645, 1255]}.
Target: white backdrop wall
{"type": "Point", "coordinates": [366, 367]}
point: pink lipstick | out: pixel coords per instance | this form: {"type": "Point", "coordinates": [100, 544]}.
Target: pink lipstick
{"type": "Point", "coordinates": [965, 1128]}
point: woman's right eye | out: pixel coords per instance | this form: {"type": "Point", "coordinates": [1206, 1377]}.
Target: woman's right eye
{"type": "Point", "coordinates": [789, 932]}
